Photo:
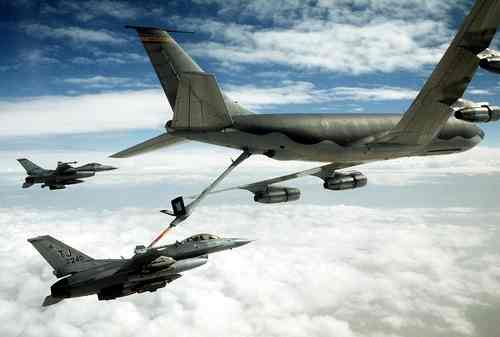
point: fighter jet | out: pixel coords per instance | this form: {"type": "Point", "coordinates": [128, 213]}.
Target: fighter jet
{"type": "Point", "coordinates": [147, 270]}
{"type": "Point", "coordinates": [63, 175]}
{"type": "Point", "coordinates": [438, 122]}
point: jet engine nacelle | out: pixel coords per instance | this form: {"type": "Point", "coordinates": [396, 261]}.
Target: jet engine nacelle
{"type": "Point", "coordinates": [476, 112]}
{"type": "Point", "coordinates": [490, 60]}
{"type": "Point", "coordinates": [274, 195]}
{"type": "Point", "coordinates": [345, 181]}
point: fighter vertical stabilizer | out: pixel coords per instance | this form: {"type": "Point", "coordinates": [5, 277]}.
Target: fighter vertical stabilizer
{"type": "Point", "coordinates": [29, 166]}
{"type": "Point", "coordinates": [63, 258]}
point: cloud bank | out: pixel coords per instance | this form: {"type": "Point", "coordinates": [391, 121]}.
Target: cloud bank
{"type": "Point", "coordinates": [313, 271]}
{"type": "Point", "coordinates": [303, 92]}
{"type": "Point", "coordinates": [108, 111]}
{"type": "Point", "coordinates": [174, 166]}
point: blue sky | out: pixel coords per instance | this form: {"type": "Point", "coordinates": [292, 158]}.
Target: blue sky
{"type": "Point", "coordinates": [413, 253]}
{"type": "Point", "coordinates": [284, 56]}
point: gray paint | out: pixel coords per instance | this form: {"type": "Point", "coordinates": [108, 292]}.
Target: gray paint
{"type": "Point", "coordinates": [63, 175]}
{"type": "Point", "coordinates": [148, 270]}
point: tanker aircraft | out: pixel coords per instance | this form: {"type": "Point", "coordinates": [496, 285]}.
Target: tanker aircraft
{"type": "Point", "coordinates": [148, 270]}
{"type": "Point", "coordinates": [63, 175]}
{"type": "Point", "coordinates": [439, 121]}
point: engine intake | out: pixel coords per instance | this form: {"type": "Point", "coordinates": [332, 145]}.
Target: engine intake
{"type": "Point", "coordinates": [274, 195]}
{"type": "Point", "coordinates": [345, 181]}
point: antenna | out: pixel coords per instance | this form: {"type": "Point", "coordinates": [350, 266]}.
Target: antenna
{"type": "Point", "coordinates": [158, 28]}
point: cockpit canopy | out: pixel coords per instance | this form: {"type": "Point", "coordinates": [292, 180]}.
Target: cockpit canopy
{"type": "Point", "coordinates": [200, 237]}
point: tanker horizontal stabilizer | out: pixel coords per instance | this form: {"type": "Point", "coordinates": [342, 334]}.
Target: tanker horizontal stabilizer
{"type": "Point", "coordinates": [158, 142]}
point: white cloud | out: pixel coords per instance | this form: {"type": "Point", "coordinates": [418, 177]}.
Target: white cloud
{"type": "Point", "coordinates": [373, 94]}
{"type": "Point", "coordinates": [97, 80]}
{"type": "Point", "coordinates": [103, 57]}
{"type": "Point", "coordinates": [107, 82]}
{"type": "Point", "coordinates": [120, 10]}
{"type": "Point", "coordinates": [287, 12]}
{"type": "Point", "coordinates": [416, 170]}
{"type": "Point", "coordinates": [75, 34]}
{"type": "Point", "coordinates": [92, 9]}
{"type": "Point", "coordinates": [174, 167]}
{"type": "Point", "coordinates": [301, 92]}
{"type": "Point", "coordinates": [288, 93]}
{"type": "Point", "coordinates": [480, 92]}
{"type": "Point", "coordinates": [142, 109]}
{"type": "Point", "coordinates": [314, 270]}
{"type": "Point", "coordinates": [373, 46]}
{"type": "Point", "coordinates": [37, 56]}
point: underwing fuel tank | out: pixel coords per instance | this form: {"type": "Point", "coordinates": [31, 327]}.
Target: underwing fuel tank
{"type": "Point", "coordinates": [345, 181]}
{"type": "Point", "coordinates": [183, 265]}
{"type": "Point", "coordinates": [274, 195]}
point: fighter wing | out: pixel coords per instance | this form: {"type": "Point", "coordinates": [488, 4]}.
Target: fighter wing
{"type": "Point", "coordinates": [431, 109]}
{"type": "Point", "coordinates": [322, 172]}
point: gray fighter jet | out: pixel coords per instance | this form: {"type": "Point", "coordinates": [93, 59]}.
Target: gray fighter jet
{"type": "Point", "coordinates": [148, 270]}
{"type": "Point", "coordinates": [438, 122]}
{"type": "Point", "coordinates": [63, 175]}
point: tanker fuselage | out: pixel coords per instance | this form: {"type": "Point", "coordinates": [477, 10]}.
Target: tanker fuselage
{"type": "Point", "coordinates": [331, 137]}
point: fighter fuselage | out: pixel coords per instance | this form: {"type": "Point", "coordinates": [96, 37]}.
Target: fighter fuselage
{"type": "Point", "coordinates": [64, 174]}
{"type": "Point", "coordinates": [109, 279]}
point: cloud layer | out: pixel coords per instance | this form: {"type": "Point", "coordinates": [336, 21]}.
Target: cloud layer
{"type": "Point", "coordinates": [74, 34]}
{"type": "Point", "coordinates": [302, 92]}
{"type": "Point", "coordinates": [339, 36]}
{"type": "Point", "coordinates": [140, 109]}
{"type": "Point", "coordinates": [174, 166]}
{"type": "Point", "coordinates": [314, 270]}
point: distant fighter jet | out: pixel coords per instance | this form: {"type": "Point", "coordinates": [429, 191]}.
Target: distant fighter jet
{"type": "Point", "coordinates": [63, 175]}
{"type": "Point", "coordinates": [148, 270]}
{"type": "Point", "coordinates": [438, 122]}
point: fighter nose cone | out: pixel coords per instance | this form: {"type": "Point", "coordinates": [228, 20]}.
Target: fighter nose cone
{"type": "Point", "coordinates": [239, 242]}
{"type": "Point", "coordinates": [106, 168]}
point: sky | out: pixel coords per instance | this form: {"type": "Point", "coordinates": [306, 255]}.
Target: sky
{"type": "Point", "coordinates": [414, 253]}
